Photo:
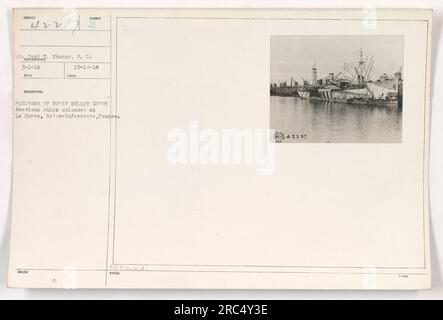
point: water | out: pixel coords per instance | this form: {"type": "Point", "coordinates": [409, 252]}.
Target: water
{"type": "Point", "coordinates": [300, 120]}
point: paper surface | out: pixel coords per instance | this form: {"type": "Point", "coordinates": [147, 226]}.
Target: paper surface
{"type": "Point", "coordinates": [151, 149]}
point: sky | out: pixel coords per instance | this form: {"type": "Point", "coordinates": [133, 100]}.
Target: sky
{"type": "Point", "coordinates": [294, 56]}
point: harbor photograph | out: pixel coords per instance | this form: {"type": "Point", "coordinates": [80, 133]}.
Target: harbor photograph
{"type": "Point", "coordinates": [336, 89]}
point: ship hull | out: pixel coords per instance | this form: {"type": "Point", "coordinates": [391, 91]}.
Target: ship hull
{"type": "Point", "coordinates": [325, 94]}
{"type": "Point", "coordinates": [308, 93]}
{"type": "Point", "coordinates": [284, 92]}
{"type": "Point", "coordinates": [304, 94]}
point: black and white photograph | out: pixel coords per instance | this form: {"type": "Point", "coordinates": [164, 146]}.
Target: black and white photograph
{"type": "Point", "coordinates": [337, 89]}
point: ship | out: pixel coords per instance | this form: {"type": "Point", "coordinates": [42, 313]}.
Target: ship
{"type": "Point", "coordinates": [284, 89]}
{"type": "Point", "coordinates": [354, 85]}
